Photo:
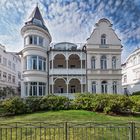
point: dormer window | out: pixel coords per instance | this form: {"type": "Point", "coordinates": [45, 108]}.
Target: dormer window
{"type": "Point", "coordinates": [103, 39]}
{"type": "Point", "coordinates": [37, 22]}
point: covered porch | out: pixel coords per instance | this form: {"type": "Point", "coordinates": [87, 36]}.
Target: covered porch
{"type": "Point", "coordinates": [67, 86]}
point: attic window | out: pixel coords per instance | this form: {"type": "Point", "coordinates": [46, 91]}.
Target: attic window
{"type": "Point", "coordinates": [103, 39]}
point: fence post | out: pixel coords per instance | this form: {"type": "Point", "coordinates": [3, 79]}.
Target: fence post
{"type": "Point", "coordinates": [132, 131]}
{"type": "Point", "coordinates": [66, 131]}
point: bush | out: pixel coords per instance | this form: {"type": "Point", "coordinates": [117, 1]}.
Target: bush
{"type": "Point", "coordinates": [92, 102]}
{"type": "Point", "coordinates": [136, 103]}
{"type": "Point", "coordinates": [14, 106]}
{"type": "Point", "coordinates": [100, 102]}
{"type": "Point", "coordinates": [33, 103]}
{"type": "Point", "coordinates": [118, 104]}
{"type": "Point", "coordinates": [52, 102]}
{"type": "Point", "coordinates": [83, 101]}
{"type": "Point", "coordinates": [103, 103]}
{"type": "Point", "coordinates": [136, 93]}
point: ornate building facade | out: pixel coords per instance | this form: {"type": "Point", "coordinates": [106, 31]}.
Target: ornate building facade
{"type": "Point", "coordinates": [10, 70]}
{"type": "Point", "coordinates": [65, 68]}
{"type": "Point", "coordinates": [131, 73]}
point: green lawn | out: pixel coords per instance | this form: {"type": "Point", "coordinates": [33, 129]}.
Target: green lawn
{"type": "Point", "coordinates": [55, 126]}
{"type": "Point", "coordinates": [68, 115]}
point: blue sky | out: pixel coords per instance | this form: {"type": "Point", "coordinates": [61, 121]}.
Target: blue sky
{"type": "Point", "coordinates": [71, 20]}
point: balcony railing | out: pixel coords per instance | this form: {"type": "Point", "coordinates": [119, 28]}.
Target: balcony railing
{"type": "Point", "coordinates": [65, 71]}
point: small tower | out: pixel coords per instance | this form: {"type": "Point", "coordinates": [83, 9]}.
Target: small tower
{"type": "Point", "coordinates": [34, 55]}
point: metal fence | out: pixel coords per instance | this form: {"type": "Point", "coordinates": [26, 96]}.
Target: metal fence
{"type": "Point", "coordinates": [69, 131]}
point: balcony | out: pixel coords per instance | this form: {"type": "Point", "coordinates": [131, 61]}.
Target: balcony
{"type": "Point", "coordinates": [65, 71]}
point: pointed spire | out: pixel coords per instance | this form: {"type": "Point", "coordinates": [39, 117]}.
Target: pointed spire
{"type": "Point", "coordinates": [36, 15]}
{"type": "Point", "coordinates": [36, 19]}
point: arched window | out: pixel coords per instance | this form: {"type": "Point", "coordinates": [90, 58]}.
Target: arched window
{"type": "Point", "coordinates": [114, 87]}
{"type": "Point", "coordinates": [104, 87]}
{"type": "Point", "coordinates": [93, 87]}
{"type": "Point", "coordinates": [113, 62]}
{"type": "Point", "coordinates": [103, 62]}
{"type": "Point", "coordinates": [103, 39]}
{"type": "Point", "coordinates": [93, 63]}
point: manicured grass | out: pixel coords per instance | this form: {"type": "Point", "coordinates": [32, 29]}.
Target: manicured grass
{"type": "Point", "coordinates": [52, 129]}
{"type": "Point", "coordinates": [68, 115]}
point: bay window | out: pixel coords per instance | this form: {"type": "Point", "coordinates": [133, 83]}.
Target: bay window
{"type": "Point", "coordinates": [35, 63]}
{"type": "Point", "coordinates": [35, 88]}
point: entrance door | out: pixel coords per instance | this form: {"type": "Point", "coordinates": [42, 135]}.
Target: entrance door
{"type": "Point", "coordinates": [60, 90]}
{"type": "Point", "coordinates": [73, 89]}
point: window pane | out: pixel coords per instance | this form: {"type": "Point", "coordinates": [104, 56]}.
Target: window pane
{"type": "Point", "coordinates": [30, 40]}
{"type": "Point", "coordinates": [35, 40]}
{"type": "Point", "coordinates": [29, 63]}
{"type": "Point", "coordinates": [35, 90]}
{"type": "Point", "coordinates": [34, 64]}
{"type": "Point", "coordinates": [40, 41]}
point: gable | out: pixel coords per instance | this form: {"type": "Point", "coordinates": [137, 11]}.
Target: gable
{"type": "Point", "coordinates": [104, 27]}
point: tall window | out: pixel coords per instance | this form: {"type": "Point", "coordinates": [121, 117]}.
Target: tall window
{"type": "Point", "coordinates": [33, 39]}
{"type": "Point", "coordinates": [9, 64]}
{"type": "Point", "coordinates": [113, 62]}
{"type": "Point", "coordinates": [35, 88]}
{"type": "Point", "coordinates": [4, 61]}
{"type": "Point", "coordinates": [104, 87]}
{"type": "Point", "coordinates": [40, 41]}
{"type": "Point", "coordinates": [125, 78]}
{"type": "Point", "coordinates": [93, 62]}
{"type": "Point", "coordinates": [114, 87]}
{"type": "Point", "coordinates": [9, 77]}
{"type": "Point", "coordinates": [93, 87]}
{"type": "Point", "coordinates": [4, 76]}
{"type": "Point", "coordinates": [13, 79]}
{"type": "Point", "coordinates": [35, 63]}
{"type": "Point", "coordinates": [103, 39]}
{"type": "Point", "coordinates": [14, 67]}
{"type": "Point", "coordinates": [103, 62]}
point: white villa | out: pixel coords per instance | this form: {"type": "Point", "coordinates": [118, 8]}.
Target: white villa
{"type": "Point", "coordinates": [131, 73]}
{"type": "Point", "coordinates": [10, 69]}
{"type": "Point", "coordinates": [66, 68]}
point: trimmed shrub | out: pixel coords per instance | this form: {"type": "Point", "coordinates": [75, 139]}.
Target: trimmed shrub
{"type": "Point", "coordinates": [99, 102]}
{"type": "Point", "coordinates": [136, 103]}
{"type": "Point", "coordinates": [118, 104]}
{"type": "Point", "coordinates": [14, 106]}
{"type": "Point", "coordinates": [52, 102]}
{"type": "Point", "coordinates": [32, 103]}
{"type": "Point", "coordinates": [83, 101]}
{"type": "Point", "coordinates": [103, 103]}
{"type": "Point", "coordinates": [136, 93]}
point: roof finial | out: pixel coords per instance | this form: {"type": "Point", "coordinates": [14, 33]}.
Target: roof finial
{"type": "Point", "coordinates": [37, 4]}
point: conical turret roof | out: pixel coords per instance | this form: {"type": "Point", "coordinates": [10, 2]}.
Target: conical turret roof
{"type": "Point", "coordinates": [36, 15]}
{"type": "Point", "coordinates": [36, 19]}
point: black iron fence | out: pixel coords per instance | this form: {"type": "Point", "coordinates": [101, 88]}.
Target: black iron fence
{"type": "Point", "coordinates": [69, 131]}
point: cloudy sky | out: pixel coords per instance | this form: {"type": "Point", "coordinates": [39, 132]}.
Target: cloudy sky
{"type": "Point", "coordinates": [71, 20]}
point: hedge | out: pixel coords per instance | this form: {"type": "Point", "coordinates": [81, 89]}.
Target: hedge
{"type": "Point", "coordinates": [106, 103]}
